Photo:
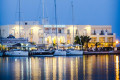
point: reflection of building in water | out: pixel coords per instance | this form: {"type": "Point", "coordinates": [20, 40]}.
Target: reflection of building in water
{"type": "Point", "coordinates": [36, 68]}
{"type": "Point", "coordinates": [34, 32]}
{"type": "Point", "coordinates": [17, 70]}
{"type": "Point", "coordinates": [87, 67]}
{"type": "Point", "coordinates": [54, 68]}
{"type": "Point", "coordinates": [101, 66]}
{"type": "Point", "coordinates": [117, 67]}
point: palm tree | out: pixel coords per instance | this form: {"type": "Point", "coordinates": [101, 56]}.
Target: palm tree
{"type": "Point", "coordinates": [77, 40]}
{"type": "Point", "coordinates": [84, 39]}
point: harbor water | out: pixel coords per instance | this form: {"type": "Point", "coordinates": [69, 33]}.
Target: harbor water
{"type": "Point", "coordinates": [86, 67]}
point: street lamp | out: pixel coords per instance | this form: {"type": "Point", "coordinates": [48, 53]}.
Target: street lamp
{"type": "Point", "coordinates": [117, 41]}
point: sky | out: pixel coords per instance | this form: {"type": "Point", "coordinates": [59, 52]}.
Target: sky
{"type": "Point", "coordinates": [86, 12]}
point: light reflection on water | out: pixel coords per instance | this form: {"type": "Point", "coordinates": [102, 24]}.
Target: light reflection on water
{"type": "Point", "coordinates": [87, 67]}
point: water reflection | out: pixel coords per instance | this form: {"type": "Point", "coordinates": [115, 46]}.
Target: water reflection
{"type": "Point", "coordinates": [88, 67]}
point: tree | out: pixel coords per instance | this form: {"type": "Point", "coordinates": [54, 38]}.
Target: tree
{"type": "Point", "coordinates": [54, 45]}
{"type": "Point", "coordinates": [84, 39]}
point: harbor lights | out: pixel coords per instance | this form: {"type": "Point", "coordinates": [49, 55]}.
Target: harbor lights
{"type": "Point", "coordinates": [117, 41]}
{"type": "Point", "coordinates": [117, 45]}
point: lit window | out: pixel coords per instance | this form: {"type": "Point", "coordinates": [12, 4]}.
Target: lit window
{"type": "Point", "coordinates": [102, 39]}
{"type": "Point", "coordinates": [110, 39]}
{"type": "Point", "coordinates": [93, 39]}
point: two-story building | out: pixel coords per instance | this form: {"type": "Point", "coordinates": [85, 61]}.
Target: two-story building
{"type": "Point", "coordinates": [46, 34]}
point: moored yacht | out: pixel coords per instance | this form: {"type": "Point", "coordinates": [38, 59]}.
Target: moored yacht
{"type": "Point", "coordinates": [60, 52]}
{"type": "Point", "coordinates": [41, 53]}
{"type": "Point", "coordinates": [16, 53]}
{"type": "Point", "coordinates": [73, 52]}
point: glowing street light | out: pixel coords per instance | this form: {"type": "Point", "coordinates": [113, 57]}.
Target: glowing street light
{"type": "Point", "coordinates": [117, 41]}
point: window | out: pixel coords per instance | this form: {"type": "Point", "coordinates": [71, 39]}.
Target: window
{"type": "Point", "coordinates": [46, 30]}
{"type": "Point", "coordinates": [25, 23]}
{"type": "Point", "coordinates": [76, 31]}
{"type": "Point", "coordinates": [102, 39]}
{"type": "Point", "coordinates": [53, 30]}
{"type": "Point", "coordinates": [68, 31]}
{"type": "Point", "coordinates": [94, 39]}
{"type": "Point", "coordinates": [102, 32]}
{"type": "Point", "coordinates": [110, 39]}
{"type": "Point", "coordinates": [59, 30]}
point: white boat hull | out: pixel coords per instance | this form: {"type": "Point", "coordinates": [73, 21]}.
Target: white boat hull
{"type": "Point", "coordinates": [60, 53]}
{"type": "Point", "coordinates": [16, 53]}
{"type": "Point", "coordinates": [75, 52]}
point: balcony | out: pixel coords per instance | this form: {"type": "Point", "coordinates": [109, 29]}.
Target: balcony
{"type": "Point", "coordinates": [103, 34]}
{"type": "Point", "coordinates": [93, 33]}
{"type": "Point", "coordinates": [109, 33]}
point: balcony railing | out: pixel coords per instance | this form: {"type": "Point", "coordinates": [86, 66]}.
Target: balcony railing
{"type": "Point", "coordinates": [102, 34]}
{"type": "Point", "coordinates": [109, 33]}
{"type": "Point", "coordinates": [93, 33]}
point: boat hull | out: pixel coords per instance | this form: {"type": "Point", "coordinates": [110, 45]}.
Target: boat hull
{"type": "Point", "coordinates": [41, 53]}
{"type": "Point", "coordinates": [74, 53]}
{"type": "Point", "coordinates": [16, 53]}
{"type": "Point", "coordinates": [60, 53]}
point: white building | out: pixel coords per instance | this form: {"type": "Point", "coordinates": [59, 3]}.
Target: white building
{"type": "Point", "coordinates": [47, 34]}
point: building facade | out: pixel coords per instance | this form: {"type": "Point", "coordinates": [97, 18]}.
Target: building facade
{"type": "Point", "coordinates": [46, 34]}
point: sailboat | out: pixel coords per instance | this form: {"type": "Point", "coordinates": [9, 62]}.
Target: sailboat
{"type": "Point", "coordinates": [58, 52]}
{"type": "Point", "coordinates": [17, 52]}
{"type": "Point", "coordinates": [42, 52]}
{"type": "Point", "coordinates": [73, 52]}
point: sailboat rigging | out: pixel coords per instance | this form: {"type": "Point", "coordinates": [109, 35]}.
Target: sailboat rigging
{"type": "Point", "coordinates": [56, 23]}
{"type": "Point", "coordinates": [19, 18]}
{"type": "Point", "coordinates": [73, 20]}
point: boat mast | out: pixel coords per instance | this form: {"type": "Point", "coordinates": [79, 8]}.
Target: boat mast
{"type": "Point", "coordinates": [19, 19]}
{"type": "Point", "coordinates": [43, 23]}
{"type": "Point", "coordinates": [56, 22]}
{"type": "Point", "coordinates": [72, 20]}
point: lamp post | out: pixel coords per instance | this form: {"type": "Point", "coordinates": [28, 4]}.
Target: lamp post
{"type": "Point", "coordinates": [117, 42]}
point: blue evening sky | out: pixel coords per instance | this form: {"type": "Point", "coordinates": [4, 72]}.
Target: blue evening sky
{"type": "Point", "coordinates": [86, 12]}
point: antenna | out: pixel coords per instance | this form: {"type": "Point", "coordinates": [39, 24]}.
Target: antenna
{"type": "Point", "coordinates": [56, 22]}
